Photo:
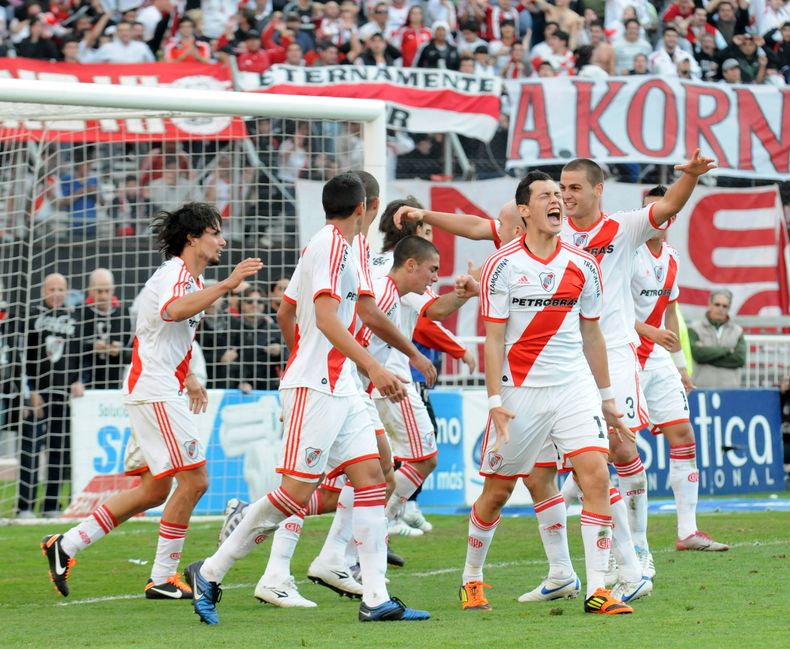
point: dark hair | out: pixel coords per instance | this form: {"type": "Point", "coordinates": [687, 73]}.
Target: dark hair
{"type": "Point", "coordinates": [172, 229]}
{"type": "Point", "coordinates": [370, 184]}
{"type": "Point", "coordinates": [591, 169]}
{"type": "Point", "coordinates": [252, 288]}
{"type": "Point", "coordinates": [524, 189]}
{"type": "Point", "coordinates": [582, 55]}
{"type": "Point", "coordinates": [186, 19]}
{"type": "Point", "coordinates": [273, 285]}
{"type": "Point", "coordinates": [670, 28]}
{"type": "Point", "coordinates": [387, 223]}
{"type": "Point", "coordinates": [413, 247]}
{"type": "Point", "coordinates": [596, 23]}
{"type": "Point", "coordinates": [629, 21]}
{"type": "Point", "coordinates": [341, 195]}
{"type": "Point", "coordinates": [658, 190]}
{"type": "Point", "coordinates": [563, 36]}
{"type": "Point", "coordinates": [471, 25]}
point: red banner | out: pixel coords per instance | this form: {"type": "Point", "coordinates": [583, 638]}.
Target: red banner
{"type": "Point", "coordinates": [81, 128]}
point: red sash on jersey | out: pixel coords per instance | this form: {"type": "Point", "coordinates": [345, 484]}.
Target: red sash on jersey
{"type": "Point", "coordinates": [656, 316]}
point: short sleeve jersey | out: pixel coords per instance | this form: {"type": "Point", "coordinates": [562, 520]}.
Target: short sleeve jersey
{"type": "Point", "coordinates": [162, 348]}
{"type": "Point", "coordinates": [613, 240]}
{"type": "Point", "coordinates": [654, 287]}
{"type": "Point", "coordinates": [327, 267]}
{"type": "Point", "coordinates": [541, 301]}
{"type": "Point", "coordinates": [389, 301]}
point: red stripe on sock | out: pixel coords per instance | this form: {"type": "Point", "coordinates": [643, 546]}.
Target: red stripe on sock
{"type": "Point", "coordinates": [543, 505]}
{"type": "Point", "coordinates": [480, 523]}
{"type": "Point", "coordinates": [590, 518]}
{"type": "Point", "coordinates": [631, 468]}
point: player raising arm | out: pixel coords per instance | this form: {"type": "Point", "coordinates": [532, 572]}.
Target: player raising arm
{"type": "Point", "coordinates": [164, 443]}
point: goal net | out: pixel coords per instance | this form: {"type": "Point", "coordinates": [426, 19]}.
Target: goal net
{"type": "Point", "coordinates": [83, 169]}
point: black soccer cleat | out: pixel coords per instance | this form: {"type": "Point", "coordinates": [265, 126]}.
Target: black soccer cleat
{"type": "Point", "coordinates": [60, 563]}
{"type": "Point", "coordinates": [394, 559]}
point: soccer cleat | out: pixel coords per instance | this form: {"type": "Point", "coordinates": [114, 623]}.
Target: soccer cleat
{"type": "Point", "coordinates": [412, 516]}
{"type": "Point", "coordinates": [285, 595]}
{"type": "Point", "coordinates": [234, 512]}
{"type": "Point", "coordinates": [611, 577]}
{"type": "Point", "coordinates": [394, 559]}
{"type": "Point", "coordinates": [205, 594]}
{"type": "Point", "coordinates": [550, 589]}
{"type": "Point", "coordinates": [702, 542]}
{"type": "Point", "coordinates": [336, 578]}
{"type": "Point", "coordinates": [399, 527]}
{"type": "Point", "coordinates": [171, 588]}
{"type": "Point", "coordinates": [392, 611]}
{"type": "Point", "coordinates": [646, 561]}
{"type": "Point", "coordinates": [473, 598]}
{"type": "Point", "coordinates": [628, 591]}
{"type": "Point", "coordinates": [603, 602]}
{"type": "Point", "coordinates": [60, 563]}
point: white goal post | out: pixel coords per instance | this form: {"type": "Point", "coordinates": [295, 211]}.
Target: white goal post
{"type": "Point", "coordinates": [49, 130]}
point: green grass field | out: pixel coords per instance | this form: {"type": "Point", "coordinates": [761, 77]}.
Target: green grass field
{"type": "Point", "coordinates": [735, 599]}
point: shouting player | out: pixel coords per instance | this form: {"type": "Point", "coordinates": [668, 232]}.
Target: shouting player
{"type": "Point", "coordinates": [655, 291]}
{"type": "Point", "coordinates": [541, 299]}
{"type": "Point", "coordinates": [324, 416]}
{"type": "Point", "coordinates": [164, 443]}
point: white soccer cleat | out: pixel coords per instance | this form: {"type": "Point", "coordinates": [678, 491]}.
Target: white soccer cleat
{"type": "Point", "coordinates": [413, 517]}
{"type": "Point", "coordinates": [628, 591]}
{"type": "Point", "coordinates": [234, 513]}
{"type": "Point", "coordinates": [399, 527]}
{"type": "Point", "coordinates": [550, 589]}
{"type": "Point", "coordinates": [286, 595]}
{"type": "Point", "coordinates": [336, 578]}
{"type": "Point", "coordinates": [612, 575]}
{"type": "Point", "coordinates": [702, 542]}
{"type": "Point", "coordinates": [646, 562]}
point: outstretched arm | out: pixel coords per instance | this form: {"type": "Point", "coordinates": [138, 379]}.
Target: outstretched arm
{"type": "Point", "coordinates": [468, 226]}
{"type": "Point", "coordinates": [680, 191]}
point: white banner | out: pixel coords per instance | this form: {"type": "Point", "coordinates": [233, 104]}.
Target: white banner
{"type": "Point", "coordinates": [651, 120]}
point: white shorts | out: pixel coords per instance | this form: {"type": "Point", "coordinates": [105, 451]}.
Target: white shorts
{"type": "Point", "coordinates": [628, 395]}
{"type": "Point", "coordinates": [568, 416]}
{"type": "Point", "coordinates": [324, 433]}
{"type": "Point", "coordinates": [409, 427]}
{"type": "Point", "coordinates": [665, 396]}
{"type": "Point", "coordinates": [164, 439]}
{"type": "Point", "coordinates": [334, 484]}
{"type": "Point", "coordinates": [375, 420]}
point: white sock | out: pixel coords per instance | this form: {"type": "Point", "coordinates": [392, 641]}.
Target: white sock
{"type": "Point", "coordinates": [168, 551]}
{"type": "Point", "coordinates": [571, 491]}
{"type": "Point", "coordinates": [89, 531]}
{"type": "Point", "coordinates": [597, 537]}
{"type": "Point", "coordinates": [552, 519]}
{"type": "Point", "coordinates": [633, 489]}
{"type": "Point", "coordinates": [370, 534]}
{"type": "Point", "coordinates": [333, 553]}
{"type": "Point", "coordinates": [684, 480]}
{"type": "Point", "coordinates": [407, 481]}
{"type": "Point", "coordinates": [314, 504]}
{"type": "Point", "coordinates": [481, 534]}
{"type": "Point", "coordinates": [262, 519]}
{"type": "Point", "coordinates": [628, 564]}
{"type": "Point", "coordinates": [284, 541]}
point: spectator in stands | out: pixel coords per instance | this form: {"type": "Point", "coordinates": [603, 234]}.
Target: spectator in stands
{"type": "Point", "coordinates": [543, 49]}
{"type": "Point", "coordinates": [185, 47]}
{"type": "Point", "coordinates": [516, 68]}
{"type": "Point", "coordinates": [328, 54]}
{"type": "Point", "coordinates": [222, 360]}
{"type": "Point", "coordinates": [678, 14]}
{"type": "Point", "coordinates": [708, 57]}
{"type": "Point", "coordinates": [150, 16]}
{"type": "Point", "coordinates": [379, 52]}
{"type": "Point", "coordinates": [424, 161]}
{"type": "Point", "coordinates": [216, 14]}
{"type": "Point", "coordinates": [602, 53]}
{"type": "Point", "coordinates": [784, 396]}
{"type": "Point", "coordinates": [80, 198]}
{"type": "Point", "coordinates": [397, 16]}
{"type": "Point", "coordinates": [717, 344]}
{"type": "Point", "coordinates": [257, 337]}
{"type": "Point", "coordinates": [442, 11]}
{"type": "Point", "coordinates": [14, 408]}
{"type": "Point", "coordinates": [294, 55]}
{"type": "Point", "coordinates": [120, 50]}
{"type": "Point", "coordinates": [440, 52]}
{"type": "Point", "coordinates": [769, 15]}
{"type": "Point", "coordinates": [731, 71]}
{"type": "Point", "coordinates": [781, 50]}
{"type": "Point", "coordinates": [751, 57]}
{"type": "Point", "coordinates": [699, 26]}
{"type": "Point", "coordinates": [546, 70]}
{"type": "Point", "coordinates": [305, 10]}
{"type": "Point", "coordinates": [171, 189]}
{"type": "Point", "coordinates": [560, 57]}
{"type": "Point", "coordinates": [728, 18]}
{"type": "Point", "coordinates": [52, 332]}
{"type": "Point", "coordinates": [499, 48]}
{"type": "Point", "coordinates": [39, 44]}
{"type": "Point", "coordinates": [469, 40]}
{"type": "Point", "coordinates": [128, 208]}
{"type": "Point", "coordinates": [484, 62]}
{"type": "Point", "coordinates": [304, 39]}
{"type": "Point", "coordinates": [467, 64]}
{"type": "Point", "coordinates": [256, 59]}
{"type": "Point", "coordinates": [665, 59]}
{"type": "Point", "coordinates": [569, 22]}
{"type": "Point", "coordinates": [104, 341]}
{"type": "Point", "coordinates": [377, 23]}
{"type": "Point", "coordinates": [412, 36]}
{"type": "Point", "coordinates": [70, 50]}
{"type": "Point", "coordinates": [641, 65]}
{"type": "Point", "coordinates": [628, 46]}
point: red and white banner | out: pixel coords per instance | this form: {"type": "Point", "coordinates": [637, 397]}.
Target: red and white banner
{"type": "Point", "coordinates": [419, 100]}
{"type": "Point", "coordinates": [736, 238]}
{"type": "Point", "coordinates": [193, 76]}
{"type": "Point", "coordinates": [650, 120]}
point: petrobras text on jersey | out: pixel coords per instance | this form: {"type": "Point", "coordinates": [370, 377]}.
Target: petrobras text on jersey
{"type": "Point", "coordinates": [739, 443]}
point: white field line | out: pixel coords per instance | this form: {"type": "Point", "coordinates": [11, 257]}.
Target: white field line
{"type": "Point", "coordinates": [431, 573]}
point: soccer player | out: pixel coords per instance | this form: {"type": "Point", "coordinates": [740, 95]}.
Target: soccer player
{"type": "Point", "coordinates": [662, 373]}
{"type": "Point", "coordinates": [326, 421]}
{"type": "Point", "coordinates": [164, 442]}
{"type": "Point", "coordinates": [540, 300]}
